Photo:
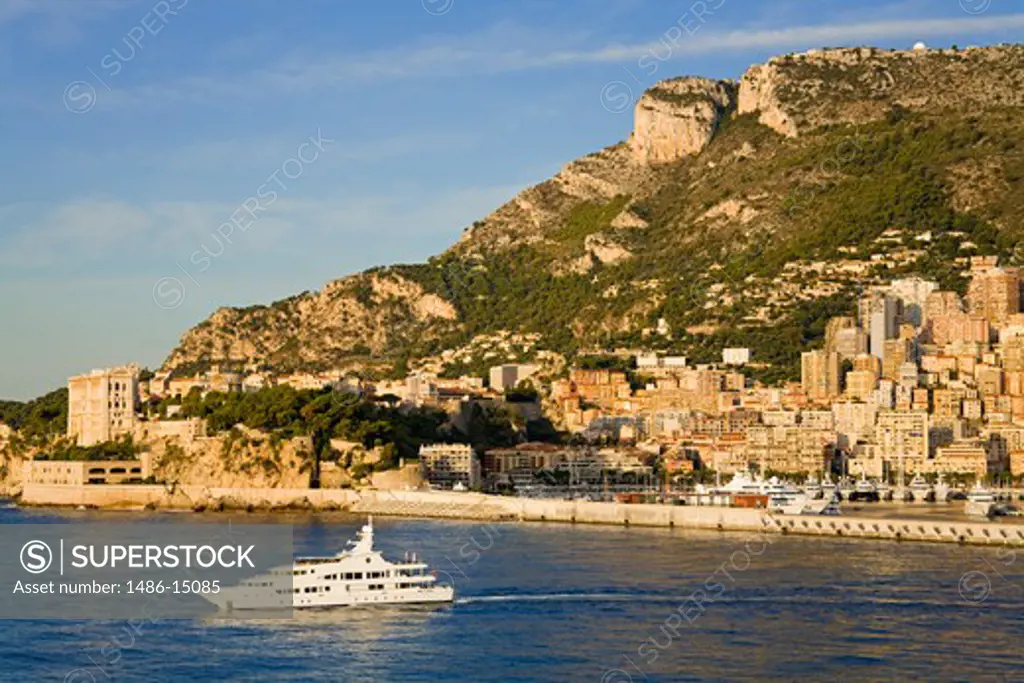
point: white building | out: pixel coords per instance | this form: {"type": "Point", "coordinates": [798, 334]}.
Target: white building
{"type": "Point", "coordinates": [420, 387]}
{"type": "Point", "coordinates": [735, 356]}
{"type": "Point", "coordinates": [779, 418]}
{"type": "Point", "coordinates": [652, 361]}
{"type": "Point", "coordinates": [880, 316]}
{"type": "Point", "coordinates": [448, 464]}
{"type": "Point", "coordinates": [853, 422]}
{"type": "Point", "coordinates": [508, 376]}
{"type": "Point", "coordinates": [913, 292]}
{"type": "Point", "coordinates": [102, 404]}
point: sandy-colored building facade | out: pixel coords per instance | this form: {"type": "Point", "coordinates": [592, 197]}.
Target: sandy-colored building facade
{"type": "Point", "coordinates": [102, 404]}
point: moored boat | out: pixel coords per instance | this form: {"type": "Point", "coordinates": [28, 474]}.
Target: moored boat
{"type": "Point", "coordinates": [920, 489]}
{"type": "Point", "coordinates": [813, 488]}
{"type": "Point", "coordinates": [804, 505]}
{"type": "Point", "coordinates": [864, 492]}
{"type": "Point", "coordinates": [980, 501]}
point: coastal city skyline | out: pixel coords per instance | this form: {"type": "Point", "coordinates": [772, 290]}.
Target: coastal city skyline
{"type": "Point", "coordinates": [91, 249]}
{"type": "Point", "coordinates": [583, 340]}
{"type": "Point", "coordinates": [918, 382]}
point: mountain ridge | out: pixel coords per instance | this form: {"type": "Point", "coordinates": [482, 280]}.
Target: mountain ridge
{"type": "Point", "coordinates": [729, 202]}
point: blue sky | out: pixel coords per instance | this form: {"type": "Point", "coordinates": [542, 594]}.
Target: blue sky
{"type": "Point", "coordinates": [133, 131]}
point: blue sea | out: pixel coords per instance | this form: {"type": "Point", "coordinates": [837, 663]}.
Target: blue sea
{"type": "Point", "coordinates": [556, 602]}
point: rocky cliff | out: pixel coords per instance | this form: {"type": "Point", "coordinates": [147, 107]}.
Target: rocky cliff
{"type": "Point", "coordinates": [359, 314]}
{"type": "Point", "coordinates": [743, 210]}
{"type": "Point", "coordinates": [678, 117]}
{"type": "Point", "coordinates": [796, 93]}
{"type": "Point", "coordinates": [237, 459]}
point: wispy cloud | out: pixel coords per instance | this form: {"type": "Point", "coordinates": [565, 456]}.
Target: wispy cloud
{"type": "Point", "coordinates": [56, 22]}
{"type": "Point", "coordinates": [843, 34]}
{"type": "Point", "coordinates": [509, 48]}
{"type": "Point", "coordinates": [87, 229]}
{"type": "Point", "coordinates": [95, 231]}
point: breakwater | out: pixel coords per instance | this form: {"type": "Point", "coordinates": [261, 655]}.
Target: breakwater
{"type": "Point", "coordinates": [503, 508]}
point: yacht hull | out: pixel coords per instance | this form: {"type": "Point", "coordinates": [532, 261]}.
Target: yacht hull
{"type": "Point", "coordinates": [229, 601]}
{"type": "Point", "coordinates": [978, 509]}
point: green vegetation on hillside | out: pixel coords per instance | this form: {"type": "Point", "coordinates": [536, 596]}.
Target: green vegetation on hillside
{"type": "Point", "coordinates": [721, 229]}
{"type": "Point", "coordinates": [39, 419]}
{"type": "Point", "coordinates": [588, 218]}
{"type": "Point", "coordinates": [287, 412]}
{"type": "Point", "coordinates": [120, 449]}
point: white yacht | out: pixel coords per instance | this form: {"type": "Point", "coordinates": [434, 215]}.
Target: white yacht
{"type": "Point", "coordinates": [980, 501]}
{"type": "Point", "coordinates": [845, 489]}
{"type": "Point", "coordinates": [779, 493]}
{"type": "Point", "coordinates": [358, 575]}
{"type": "Point", "coordinates": [920, 488]}
{"type": "Point", "coordinates": [805, 505]}
{"type": "Point", "coordinates": [942, 491]}
{"type": "Point", "coordinates": [829, 489]}
{"type": "Point", "coordinates": [864, 491]}
{"type": "Point", "coordinates": [813, 488]}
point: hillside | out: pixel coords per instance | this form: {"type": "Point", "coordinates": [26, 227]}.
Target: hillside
{"type": "Point", "coordinates": [741, 213]}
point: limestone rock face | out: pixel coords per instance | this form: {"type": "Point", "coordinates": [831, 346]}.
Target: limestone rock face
{"type": "Point", "coordinates": [605, 249]}
{"type": "Point", "coordinates": [796, 93]}
{"type": "Point", "coordinates": [370, 309]}
{"type": "Point", "coordinates": [232, 461]}
{"type": "Point", "coordinates": [678, 118]}
{"type": "Point", "coordinates": [597, 177]}
{"type": "Point", "coordinates": [757, 94]}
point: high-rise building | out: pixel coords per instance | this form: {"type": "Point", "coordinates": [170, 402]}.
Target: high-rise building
{"type": "Point", "coordinates": [844, 337]}
{"type": "Point", "coordinates": [854, 422]}
{"type": "Point", "coordinates": [942, 303]}
{"type": "Point", "coordinates": [897, 352]}
{"type": "Point", "coordinates": [902, 437]}
{"type": "Point", "coordinates": [880, 316]}
{"type": "Point", "coordinates": [851, 342]}
{"type": "Point", "coordinates": [989, 379]}
{"type": "Point", "coordinates": [1013, 354]}
{"type": "Point", "coordinates": [959, 327]}
{"type": "Point", "coordinates": [834, 326]}
{"type": "Point", "coordinates": [861, 384]}
{"type": "Point", "coordinates": [994, 293]}
{"type": "Point", "coordinates": [819, 374]}
{"type": "Point", "coordinates": [914, 293]}
{"type": "Point", "coordinates": [865, 362]}
{"type": "Point", "coordinates": [907, 375]}
{"type": "Point", "coordinates": [102, 404]}
{"type": "Point", "coordinates": [449, 464]}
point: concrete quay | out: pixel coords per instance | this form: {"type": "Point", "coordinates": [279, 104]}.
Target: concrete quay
{"type": "Point", "coordinates": [434, 504]}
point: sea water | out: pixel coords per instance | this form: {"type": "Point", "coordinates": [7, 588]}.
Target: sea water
{"type": "Point", "coordinates": [554, 602]}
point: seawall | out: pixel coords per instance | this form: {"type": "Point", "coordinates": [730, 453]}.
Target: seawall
{"type": "Point", "coordinates": [487, 507]}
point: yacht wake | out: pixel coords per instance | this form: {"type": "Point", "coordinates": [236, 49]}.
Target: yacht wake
{"type": "Point", "coordinates": [563, 597]}
{"type": "Point", "coordinates": [909, 601]}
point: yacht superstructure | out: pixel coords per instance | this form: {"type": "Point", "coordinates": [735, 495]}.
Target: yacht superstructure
{"type": "Point", "coordinates": [864, 490]}
{"type": "Point", "coordinates": [779, 493]}
{"type": "Point", "coordinates": [358, 575]}
{"type": "Point", "coordinates": [920, 489]}
{"type": "Point", "coordinates": [980, 501]}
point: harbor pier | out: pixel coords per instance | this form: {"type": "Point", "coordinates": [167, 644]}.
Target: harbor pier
{"type": "Point", "coordinates": [449, 505]}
